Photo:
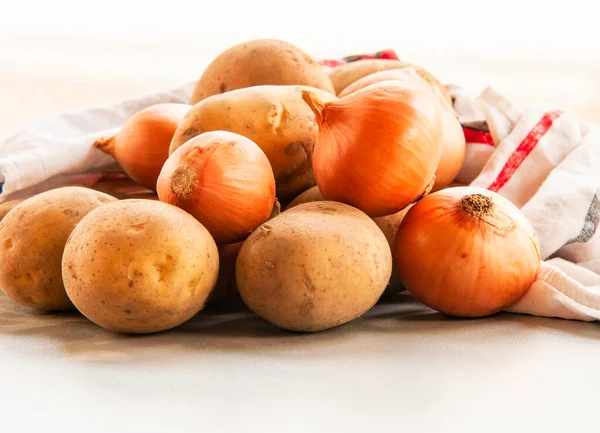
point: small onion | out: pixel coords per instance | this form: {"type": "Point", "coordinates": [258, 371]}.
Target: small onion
{"type": "Point", "coordinates": [224, 180]}
{"type": "Point", "coordinates": [141, 147]}
{"type": "Point", "coordinates": [466, 252]}
{"type": "Point", "coordinates": [377, 148]}
{"type": "Point", "coordinates": [453, 153]}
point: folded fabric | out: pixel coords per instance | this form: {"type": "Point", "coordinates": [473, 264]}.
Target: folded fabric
{"type": "Point", "coordinates": [53, 151]}
{"type": "Point", "coordinates": [548, 164]}
{"type": "Point", "coordinates": [540, 158]}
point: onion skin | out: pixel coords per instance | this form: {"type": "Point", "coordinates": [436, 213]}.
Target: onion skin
{"type": "Point", "coordinates": [379, 147]}
{"type": "Point", "coordinates": [466, 252]}
{"type": "Point", "coordinates": [224, 180]}
{"type": "Point", "coordinates": [142, 146]}
{"type": "Point", "coordinates": [453, 153]}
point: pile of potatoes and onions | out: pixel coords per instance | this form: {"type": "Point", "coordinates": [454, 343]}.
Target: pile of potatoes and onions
{"type": "Point", "coordinates": [308, 195]}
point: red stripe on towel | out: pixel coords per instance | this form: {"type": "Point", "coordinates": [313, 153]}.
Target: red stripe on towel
{"type": "Point", "coordinates": [474, 136]}
{"type": "Point", "coordinates": [524, 149]}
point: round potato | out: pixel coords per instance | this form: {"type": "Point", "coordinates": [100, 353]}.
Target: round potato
{"type": "Point", "coordinates": [274, 117]}
{"type": "Point", "coordinates": [388, 225]}
{"type": "Point", "coordinates": [32, 240]}
{"type": "Point", "coordinates": [260, 62]}
{"type": "Point", "coordinates": [344, 75]}
{"type": "Point", "coordinates": [315, 266]}
{"type": "Point", "coordinates": [139, 266]}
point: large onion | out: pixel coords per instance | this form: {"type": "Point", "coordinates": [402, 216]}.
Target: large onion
{"type": "Point", "coordinates": [378, 148]}
{"type": "Point", "coordinates": [453, 153]}
{"type": "Point", "coordinates": [466, 251]}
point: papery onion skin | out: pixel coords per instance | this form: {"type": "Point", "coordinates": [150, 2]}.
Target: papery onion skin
{"type": "Point", "coordinates": [453, 153]}
{"type": "Point", "coordinates": [141, 147]}
{"type": "Point", "coordinates": [377, 148]}
{"type": "Point", "coordinates": [464, 258]}
{"type": "Point", "coordinates": [224, 180]}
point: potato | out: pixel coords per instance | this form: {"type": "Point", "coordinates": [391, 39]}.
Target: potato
{"type": "Point", "coordinates": [139, 266]}
{"type": "Point", "coordinates": [315, 266]}
{"type": "Point", "coordinates": [274, 117]}
{"type": "Point", "coordinates": [344, 75]}
{"type": "Point", "coordinates": [260, 62]}
{"type": "Point", "coordinates": [388, 224]}
{"type": "Point", "coordinates": [7, 206]}
{"type": "Point", "coordinates": [32, 240]}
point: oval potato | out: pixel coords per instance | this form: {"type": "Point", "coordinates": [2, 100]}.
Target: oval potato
{"type": "Point", "coordinates": [139, 266]}
{"type": "Point", "coordinates": [32, 239]}
{"type": "Point", "coordinates": [274, 117]}
{"type": "Point", "coordinates": [387, 224]}
{"type": "Point", "coordinates": [260, 62]}
{"type": "Point", "coordinates": [315, 266]}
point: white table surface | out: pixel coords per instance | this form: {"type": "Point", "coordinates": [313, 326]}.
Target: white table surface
{"type": "Point", "coordinates": [402, 367]}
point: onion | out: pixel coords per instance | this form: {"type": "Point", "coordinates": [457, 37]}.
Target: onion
{"type": "Point", "coordinates": [377, 148]}
{"type": "Point", "coordinates": [224, 180]}
{"type": "Point", "coordinates": [466, 252]}
{"type": "Point", "coordinates": [142, 146]}
{"type": "Point", "coordinates": [453, 153]}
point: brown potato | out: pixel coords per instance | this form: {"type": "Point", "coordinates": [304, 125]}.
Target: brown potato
{"type": "Point", "coordinates": [32, 240]}
{"type": "Point", "coordinates": [344, 75]}
{"type": "Point", "coordinates": [315, 266]}
{"type": "Point", "coordinates": [260, 62]}
{"type": "Point", "coordinates": [388, 224]}
{"type": "Point", "coordinates": [274, 117]}
{"type": "Point", "coordinates": [139, 266]}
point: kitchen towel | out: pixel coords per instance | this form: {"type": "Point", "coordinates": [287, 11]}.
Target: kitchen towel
{"type": "Point", "coordinates": [540, 158]}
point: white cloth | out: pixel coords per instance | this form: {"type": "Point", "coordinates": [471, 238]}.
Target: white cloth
{"type": "Point", "coordinates": [548, 164]}
{"type": "Point", "coordinates": [57, 150]}
{"type": "Point", "coordinates": [553, 173]}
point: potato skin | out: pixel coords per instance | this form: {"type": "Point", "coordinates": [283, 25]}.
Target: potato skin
{"type": "Point", "coordinates": [315, 266]}
{"type": "Point", "coordinates": [260, 62]}
{"type": "Point", "coordinates": [139, 266]}
{"type": "Point", "coordinates": [388, 224]}
{"type": "Point", "coordinates": [32, 239]}
{"type": "Point", "coordinates": [274, 117]}
{"type": "Point", "coordinates": [344, 75]}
